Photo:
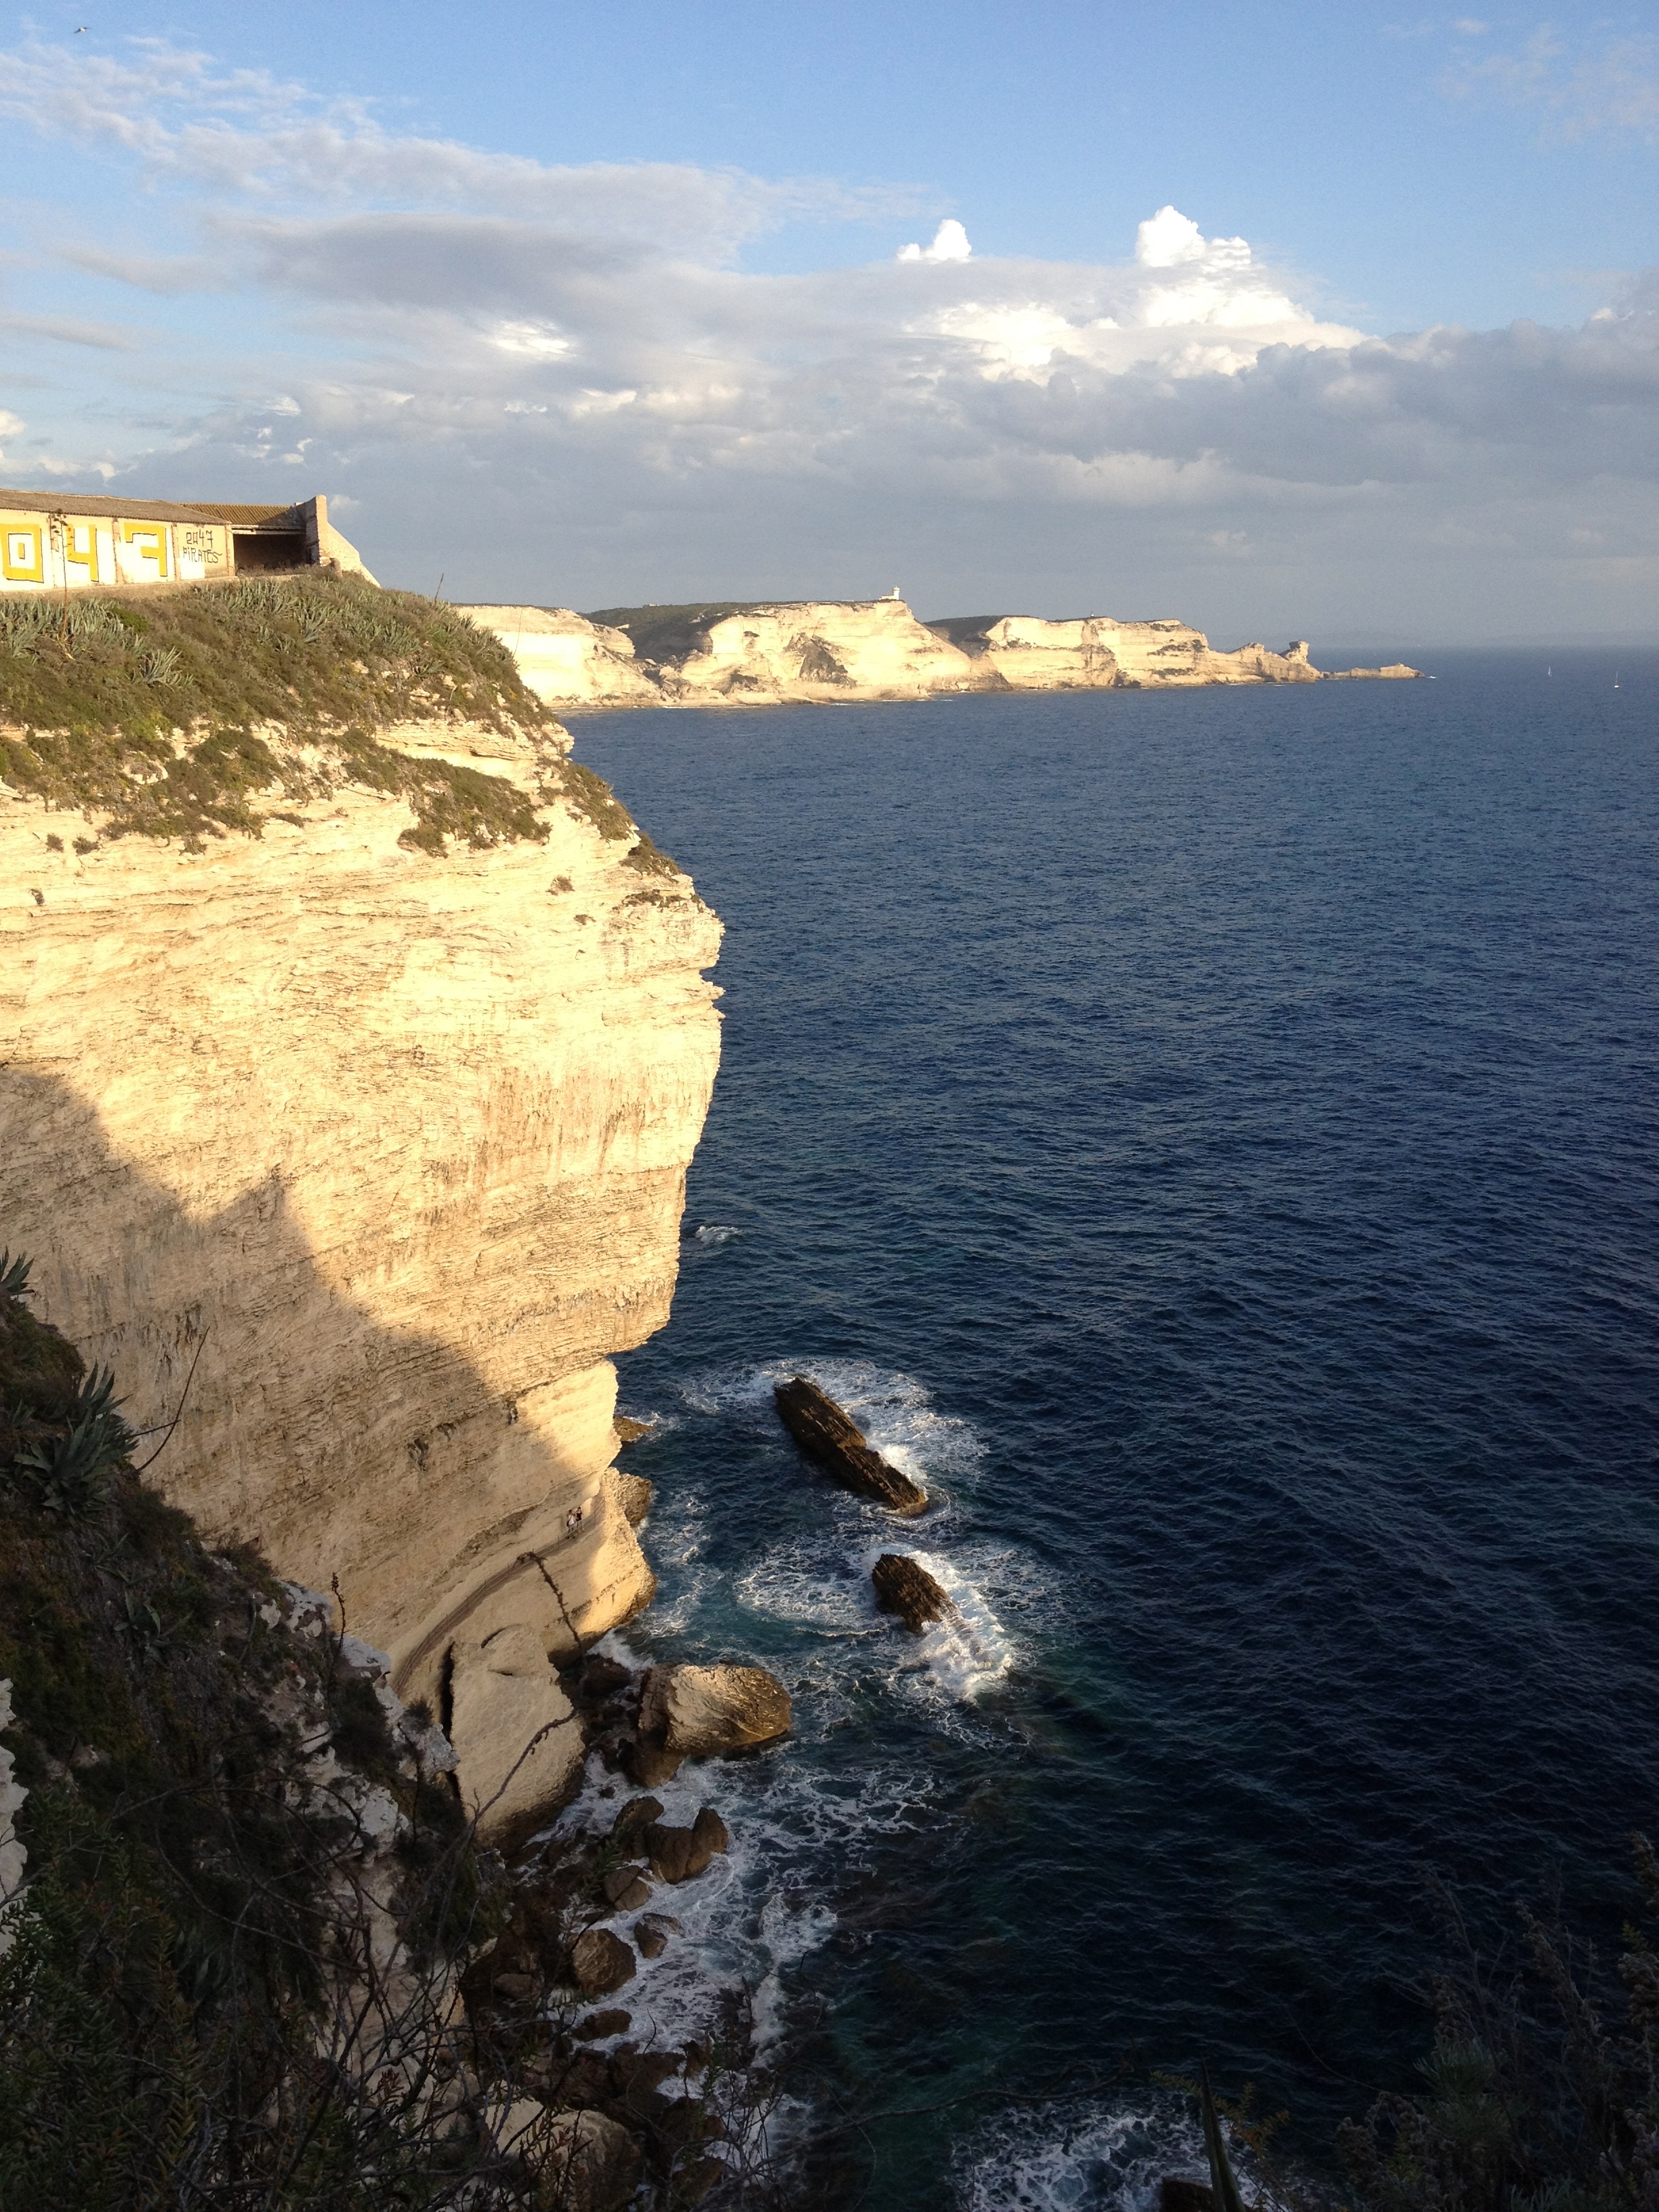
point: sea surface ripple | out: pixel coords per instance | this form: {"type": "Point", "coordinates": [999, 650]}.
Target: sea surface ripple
{"type": "Point", "coordinates": [1210, 1139]}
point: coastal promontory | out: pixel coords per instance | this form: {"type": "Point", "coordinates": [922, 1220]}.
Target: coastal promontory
{"type": "Point", "coordinates": [728, 653]}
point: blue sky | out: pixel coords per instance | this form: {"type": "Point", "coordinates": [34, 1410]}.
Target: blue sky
{"type": "Point", "coordinates": [593, 306]}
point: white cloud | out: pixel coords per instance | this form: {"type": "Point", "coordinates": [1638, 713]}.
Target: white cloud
{"type": "Point", "coordinates": [562, 383]}
{"type": "Point", "coordinates": [950, 243]}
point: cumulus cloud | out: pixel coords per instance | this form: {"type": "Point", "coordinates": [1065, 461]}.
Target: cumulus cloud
{"type": "Point", "coordinates": [950, 243]}
{"type": "Point", "coordinates": [562, 385]}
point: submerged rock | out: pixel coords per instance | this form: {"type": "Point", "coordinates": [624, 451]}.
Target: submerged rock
{"type": "Point", "coordinates": [598, 2024]}
{"type": "Point", "coordinates": [695, 1711]}
{"type": "Point", "coordinates": [904, 1588]}
{"type": "Point", "coordinates": [830, 1435]}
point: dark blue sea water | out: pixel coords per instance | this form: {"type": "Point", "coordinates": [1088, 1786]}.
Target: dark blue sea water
{"type": "Point", "coordinates": [1212, 1139]}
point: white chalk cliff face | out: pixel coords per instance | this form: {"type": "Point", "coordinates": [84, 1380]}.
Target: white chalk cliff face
{"type": "Point", "coordinates": [828, 652]}
{"type": "Point", "coordinates": [1096, 654]}
{"type": "Point", "coordinates": [361, 1163]}
{"type": "Point", "coordinates": [567, 660]}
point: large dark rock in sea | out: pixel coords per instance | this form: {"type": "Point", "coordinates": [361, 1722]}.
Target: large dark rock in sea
{"type": "Point", "coordinates": [600, 1962]}
{"type": "Point", "coordinates": [834, 1440]}
{"type": "Point", "coordinates": [904, 1588]}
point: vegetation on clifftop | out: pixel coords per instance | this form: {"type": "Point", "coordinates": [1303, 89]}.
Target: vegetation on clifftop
{"type": "Point", "coordinates": [165, 713]}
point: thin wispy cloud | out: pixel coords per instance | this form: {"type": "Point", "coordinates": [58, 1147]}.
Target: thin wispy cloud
{"type": "Point", "coordinates": [1580, 89]}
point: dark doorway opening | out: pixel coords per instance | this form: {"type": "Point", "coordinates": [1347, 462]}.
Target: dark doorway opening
{"type": "Point", "coordinates": [269, 548]}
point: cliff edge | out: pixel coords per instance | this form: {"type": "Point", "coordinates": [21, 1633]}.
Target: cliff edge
{"type": "Point", "coordinates": [351, 1065]}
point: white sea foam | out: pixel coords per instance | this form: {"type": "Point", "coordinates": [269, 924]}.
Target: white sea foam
{"type": "Point", "coordinates": [895, 1410]}
{"type": "Point", "coordinates": [968, 1653]}
{"type": "Point", "coordinates": [1077, 2158]}
{"type": "Point", "coordinates": [800, 1810]}
{"type": "Point", "coordinates": [759, 1909]}
{"type": "Point", "coordinates": [713, 1234]}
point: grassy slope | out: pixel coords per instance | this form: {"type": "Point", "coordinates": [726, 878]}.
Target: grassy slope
{"type": "Point", "coordinates": [191, 713]}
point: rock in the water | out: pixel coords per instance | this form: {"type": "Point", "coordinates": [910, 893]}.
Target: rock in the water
{"type": "Point", "coordinates": [904, 1588]}
{"type": "Point", "coordinates": [677, 1854]}
{"type": "Point", "coordinates": [597, 2025]}
{"type": "Point", "coordinates": [649, 1760]}
{"type": "Point", "coordinates": [708, 1828]}
{"type": "Point", "coordinates": [591, 2164]}
{"type": "Point", "coordinates": [633, 1494]}
{"type": "Point", "coordinates": [600, 1962]}
{"type": "Point", "coordinates": [698, 1711]}
{"type": "Point", "coordinates": [625, 1890]}
{"type": "Point", "coordinates": [599, 1678]}
{"type": "Point", "coordinates": [638, 1812]}
{"type": "Point", "coordinates": [628, 1430]}
{"type": "Point", "coordinates": [830, 1435]}
{"type": "Point", "coordinates": [652, 1932]}
{"type": "Point", "coordinates": [1177, 2194]}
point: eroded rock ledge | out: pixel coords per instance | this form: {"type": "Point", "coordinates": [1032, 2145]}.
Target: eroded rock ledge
{"type": "Point", "coordinates": [823, 652]}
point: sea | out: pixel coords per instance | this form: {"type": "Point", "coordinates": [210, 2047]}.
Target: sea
{"type": "Point", "coordinates": [1210, 1139]}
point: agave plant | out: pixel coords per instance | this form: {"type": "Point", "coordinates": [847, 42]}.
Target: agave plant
{"type": "Point", "coordinates": [70, 1474]}
{"type": "Point", "coordinates": [14, 1276]}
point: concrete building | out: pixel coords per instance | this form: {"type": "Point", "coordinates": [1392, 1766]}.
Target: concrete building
{"type": "Point", "coordinates": [48, 542]}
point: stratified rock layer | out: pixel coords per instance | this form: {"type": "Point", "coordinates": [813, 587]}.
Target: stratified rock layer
{"type": "Point", "coordinates": [359, 1161]}
{"type": "Point", "coordinates": [830, 1435]}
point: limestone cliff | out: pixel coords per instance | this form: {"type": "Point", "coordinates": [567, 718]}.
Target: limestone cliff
{"type": "Point", "coordinates": [841, 651]}
{"type": "Point", "coordinates": [358, 1149]}
{"type": "Point", "coordinates": [567, 660]}
{"type": "Point", "coordinates": [1095, 652]}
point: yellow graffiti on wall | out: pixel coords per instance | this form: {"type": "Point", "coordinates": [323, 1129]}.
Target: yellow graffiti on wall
{"type": "Point", "coordinates": [77, 555]}
{"type": "Point", "coordinates": [149, 541]}
{"type": "Point", "coordinates": [21, 559]}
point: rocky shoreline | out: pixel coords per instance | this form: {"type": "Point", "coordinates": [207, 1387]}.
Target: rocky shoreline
{"type": "Point", "coordinates": [591, 1903]}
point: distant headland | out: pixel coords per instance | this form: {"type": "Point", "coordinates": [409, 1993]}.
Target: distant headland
{"type": "Point", "coordinates": [767, 653]}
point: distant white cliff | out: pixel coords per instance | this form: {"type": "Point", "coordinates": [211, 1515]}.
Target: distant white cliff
{"type": "Point", "coordinates": [814, 651]}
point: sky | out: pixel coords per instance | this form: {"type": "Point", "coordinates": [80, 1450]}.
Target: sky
{"type": "Point", "coordinates": [1286, 320]}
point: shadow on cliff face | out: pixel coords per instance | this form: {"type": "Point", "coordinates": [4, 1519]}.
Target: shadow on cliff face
{"type": "Point", "coordinates": [343, 1447]}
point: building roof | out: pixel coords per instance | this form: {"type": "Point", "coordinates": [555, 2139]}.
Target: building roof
{"type": "Point", "coordinates": [155, 510]}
